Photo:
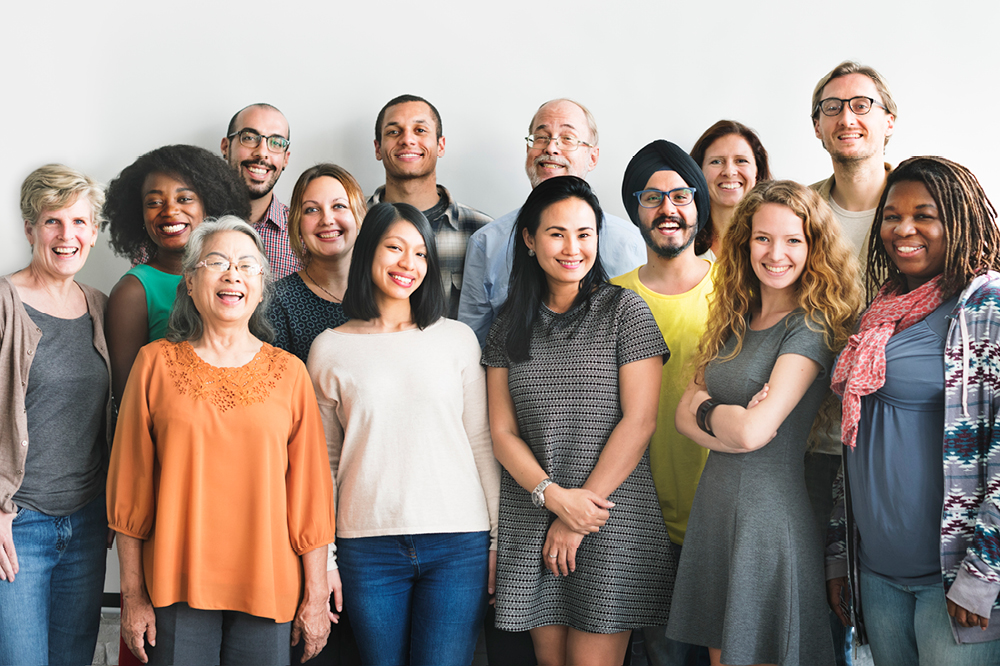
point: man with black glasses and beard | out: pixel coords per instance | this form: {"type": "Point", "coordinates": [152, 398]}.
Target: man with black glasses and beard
{"type": "Point", "coordinates": [256, 145]}
{"type": "Point", "coordinates": [666, 196]}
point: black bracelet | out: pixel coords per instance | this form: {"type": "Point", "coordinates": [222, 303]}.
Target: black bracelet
{"type": "Point", "coordinates": [702, 415]}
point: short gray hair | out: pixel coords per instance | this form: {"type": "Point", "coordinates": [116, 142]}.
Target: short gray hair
{"type": "Point", "coordinates": [185, 320]}
{"type": "Point", "coordinates": [591, 122]}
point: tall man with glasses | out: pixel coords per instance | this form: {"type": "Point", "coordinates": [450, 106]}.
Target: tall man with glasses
{"type": "Point", "coordinates": [256, 145]}
{"type": "Point", "coordinates": [666, 197]}
{"type": "Point", "coordinates": [562, 141]}
{"type": "Point", "coordinates": [409, 140]}
{"type": "Point", "coordinates": [853, 116]}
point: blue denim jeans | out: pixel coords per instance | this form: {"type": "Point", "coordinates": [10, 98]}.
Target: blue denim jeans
{"type": "Point", "coordinates": [52, 611]}
{"type": "Point", "coordinates": [416, 599]}
{"type": "Point", "coordinates": [909, 625]}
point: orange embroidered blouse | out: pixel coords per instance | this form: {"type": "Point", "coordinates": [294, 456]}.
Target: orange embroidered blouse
{"type": "Point", "coordinates": [224, 473]}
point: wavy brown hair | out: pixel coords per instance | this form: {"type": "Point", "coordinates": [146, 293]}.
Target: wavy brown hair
{"type": "Point", "coordinates": [355, 199]}
{"type": "Point", "coordinates": [829, 289]}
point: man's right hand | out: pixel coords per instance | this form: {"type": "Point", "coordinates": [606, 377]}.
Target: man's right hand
{"type": "Point", "coordinates": [838, 595]}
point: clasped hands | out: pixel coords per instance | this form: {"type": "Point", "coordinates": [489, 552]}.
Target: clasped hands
{"type": "Point", "coordinates": [579, 512]}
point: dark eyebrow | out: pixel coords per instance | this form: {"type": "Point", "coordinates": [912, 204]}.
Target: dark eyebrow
{"type": "Point", "coordinates": [559, 228]}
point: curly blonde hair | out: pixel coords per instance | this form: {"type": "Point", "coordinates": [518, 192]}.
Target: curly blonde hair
{"type": "Point", "coordinates": [829, 289]}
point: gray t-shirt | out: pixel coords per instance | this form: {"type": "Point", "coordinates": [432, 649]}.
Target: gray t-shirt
{"type": "Point", "coordinates": [67, 392]}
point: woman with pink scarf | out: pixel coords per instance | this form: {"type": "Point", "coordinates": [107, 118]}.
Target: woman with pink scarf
{"type": "Point", "coordinates": [918, 527]}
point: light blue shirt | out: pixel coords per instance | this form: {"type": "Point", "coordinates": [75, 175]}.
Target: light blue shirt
{"type": "Point", "coordinates": [490, 255]}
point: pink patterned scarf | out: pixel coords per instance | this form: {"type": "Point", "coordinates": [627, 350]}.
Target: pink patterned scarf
{"type": "Point", "coordinates": [861, 368]}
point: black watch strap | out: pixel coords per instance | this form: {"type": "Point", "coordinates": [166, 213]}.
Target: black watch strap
{"type": "Point", "coordinates": [704, 409]}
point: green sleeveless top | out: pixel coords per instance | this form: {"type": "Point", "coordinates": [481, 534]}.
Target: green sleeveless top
{"type": "Point", "coordinates": [161, 288]}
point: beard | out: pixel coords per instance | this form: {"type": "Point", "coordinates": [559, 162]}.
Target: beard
{"type": "Point", "coordinates": [259, 190]}
{"type": "Point", "coordinates": [668, 251]}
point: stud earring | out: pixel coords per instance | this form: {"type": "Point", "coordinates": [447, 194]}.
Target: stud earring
{"type": "Point", "coordinates": [531, 252]}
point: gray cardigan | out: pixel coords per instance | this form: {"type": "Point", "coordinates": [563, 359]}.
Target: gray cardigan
{"type": "Point", "coordinates": [19, 337]}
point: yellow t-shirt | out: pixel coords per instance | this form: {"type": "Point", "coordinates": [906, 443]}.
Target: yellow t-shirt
{"type": "Point", "coordinates": [676, 461]}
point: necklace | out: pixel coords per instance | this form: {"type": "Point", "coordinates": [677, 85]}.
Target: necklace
{"type": "Point", "coordinates": [335, 298]}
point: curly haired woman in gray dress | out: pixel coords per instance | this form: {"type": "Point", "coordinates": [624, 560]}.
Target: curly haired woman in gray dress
{"type": "Point", "coordinates": [750, 580]}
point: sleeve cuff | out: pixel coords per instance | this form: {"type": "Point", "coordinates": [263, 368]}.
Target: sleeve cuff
{"type": "Point", "coordinates": [972, 593]}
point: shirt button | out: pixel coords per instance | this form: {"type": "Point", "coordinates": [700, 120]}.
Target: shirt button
{"type": "Point", "coordinates": [24, 442]}
{"type": "Point", "coordinates": [20, 472]}
{"type": "Point", "coordinates": [29, 352]}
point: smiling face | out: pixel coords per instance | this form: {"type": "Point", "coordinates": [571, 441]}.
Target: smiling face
{"type": "Point", "coordinates": [172, 210]}
{"type": "Point", "coordinates": [400, 262]}
{"type": "Point", "coordinates": [229, 297]}
{"type": "Point", "coordinates": [913, 233]}
{"type": "Point", "coordinates": [668, 229]}
{"type": "Point", "coordinates": [778, 247]}
{"type": "Point", "coordinates": [409, 147]}
{"type": "Point", "coordinates": [561, 118]}
{"type": "Point", "coordinates": [327, 224]}
{"type": "Point", "coordinates": [258, 167]}
{"type": "Point", "coordinates": [730, 169]}
{"type": "Point", "coordinates": [565, 242]}
{"type": "Point", "coordinates": [849, 137]}
{"type": "Point", "coordinates": [61, 239]}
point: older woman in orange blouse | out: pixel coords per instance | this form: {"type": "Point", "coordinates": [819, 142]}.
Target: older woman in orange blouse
{"type": "Point", "coordinates": [219, 486]}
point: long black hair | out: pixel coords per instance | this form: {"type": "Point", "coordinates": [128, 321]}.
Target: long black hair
{"type": "Point", "coordinates": [427, 302]}
{"type": "Point", "coordinates": [528, 283]}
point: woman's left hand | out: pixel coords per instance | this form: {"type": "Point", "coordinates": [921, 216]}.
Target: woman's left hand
{"type": "Point", "coordinates": [337, 590]}
{"type": "Point", "coordinates": [312, 624]}
{"type": "Point", "coordinates": [967, 618]}
{"type": "Point", "coordinates": [559, 551]}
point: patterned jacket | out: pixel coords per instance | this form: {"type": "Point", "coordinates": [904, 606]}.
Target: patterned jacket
{"type": "Point", "coordinates": [970, 516]}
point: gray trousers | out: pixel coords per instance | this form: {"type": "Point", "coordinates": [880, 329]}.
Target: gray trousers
{"type": "Point", "coordinates": [194, 637]}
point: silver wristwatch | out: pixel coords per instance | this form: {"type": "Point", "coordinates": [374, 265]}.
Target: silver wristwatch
{"type": "Point", "coordinates": [538, 494]}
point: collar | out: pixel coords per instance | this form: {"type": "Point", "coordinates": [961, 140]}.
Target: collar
{"type": "Point", "coordinates": [277, 214]}
{"type": "Point", "coordinates": [444, 199]}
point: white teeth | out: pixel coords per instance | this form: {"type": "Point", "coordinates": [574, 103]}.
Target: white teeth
{"type": "Point", "coordinates": [328, 235]}
{"type": "Point", "coordinates": [65, 251]}
{"type": "Point", "coordinates": [172, 228]}
{"type": "Point", "coordinates": [669, 226]}
{"type": "Point", "coordinates": [404, 280]}
{"type": "Point", "coordinates": [730, 186]}
{"type": "Point", "coordinates": [231, 293]}
{"type": "Point", "coordinates": [907, 249]}
{"type": "Point", "coordinates": [257, 170]}
{"type": "Point", "coordinates": [570, 264]}
{"type": "Point", "coordinates": [850, 136]}
{"type": "Point", "coordinates": [777, 270]}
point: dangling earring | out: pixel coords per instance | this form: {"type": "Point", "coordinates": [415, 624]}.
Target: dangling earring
{"type": "Point", "coordinates": [531, 252]}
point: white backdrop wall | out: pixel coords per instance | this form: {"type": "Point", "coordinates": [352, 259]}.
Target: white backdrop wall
{"type": "Point", "coordinates": [95, 84]}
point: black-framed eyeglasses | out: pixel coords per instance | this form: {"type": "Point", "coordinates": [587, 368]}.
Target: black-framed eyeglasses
{"type": "Point", "coordinates": [565, 143]}
{"type": "Point", "coordinates": [832, 106]}
{"type": "Point", "coordinates": [245, 266]}
{"type": "Point", "coordinates": [679, 196]}
{"type": "Point", "coordinates": [250, 139]}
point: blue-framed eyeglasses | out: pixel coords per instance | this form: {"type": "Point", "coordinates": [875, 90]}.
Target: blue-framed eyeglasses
{"type": "Point", "coordinates": [679, 196]}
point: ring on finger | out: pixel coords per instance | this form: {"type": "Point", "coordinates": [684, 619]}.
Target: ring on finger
{"type": "Point", "coordinates": [552, 557]}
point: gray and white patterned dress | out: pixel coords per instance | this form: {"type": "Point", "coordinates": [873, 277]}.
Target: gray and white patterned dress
{"type": "Point", "coordinates": [567, 402]}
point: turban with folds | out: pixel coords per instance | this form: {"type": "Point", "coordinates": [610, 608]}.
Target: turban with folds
{"type": "Point", "coordinates": [662, 155]}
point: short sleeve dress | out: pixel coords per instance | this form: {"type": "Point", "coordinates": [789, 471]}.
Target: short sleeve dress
{"type": "Point", "coordinates": [567, 402]}
{"type": "Point", "coordinates": [751, 579]}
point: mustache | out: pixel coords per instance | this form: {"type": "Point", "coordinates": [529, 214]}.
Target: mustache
{"type": "Point", "coordinates": [555, 159]}
{"type": "Point", "coordinates": [676, 219]}
{"type": "Point", "coordinates": [258, 162]}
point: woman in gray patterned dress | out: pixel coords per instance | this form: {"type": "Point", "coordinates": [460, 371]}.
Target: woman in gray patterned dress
{"type": "Point", "coordinates": [573, 375]}
{"type": "Point", "coordinates": [750, 580]}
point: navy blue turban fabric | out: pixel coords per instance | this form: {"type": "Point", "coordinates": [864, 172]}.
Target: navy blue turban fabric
{"type": "Point", "coordinates": [664, 156]}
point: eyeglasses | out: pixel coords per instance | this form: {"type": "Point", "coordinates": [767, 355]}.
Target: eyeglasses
{"type": "Point", "coordinates": [566, 143]}
{"type": "Point", "coordinates": [832, 106]}
{"type": "Point", "coordinates": [246, 267]}
{"type": "Point", "coordinates": [679, 196]}
{"type": "Point", "coordinates": [275, 143]}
